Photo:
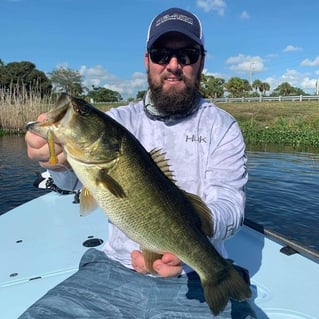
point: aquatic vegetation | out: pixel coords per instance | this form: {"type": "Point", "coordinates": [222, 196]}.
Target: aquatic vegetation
{"type": "Point", "coordinates": [284, 123]}
{"type": "Point", "coordinates": [17, 107]}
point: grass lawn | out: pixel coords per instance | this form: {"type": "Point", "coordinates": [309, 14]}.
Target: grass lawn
{"type": "Point", "coordinates": [285, 123]}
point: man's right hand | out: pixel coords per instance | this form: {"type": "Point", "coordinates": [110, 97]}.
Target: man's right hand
{"type": "Point", "coordinates": [38, 150]}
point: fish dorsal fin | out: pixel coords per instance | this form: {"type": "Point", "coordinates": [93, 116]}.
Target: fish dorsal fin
{"type": "Point", "coordinates": [87, 202]}
{"type": "Point", "coordinates": [204, 214]}
{"type": "Point", "coordinates": [149, 258]}
{"type": "Point", "coordinates": [161, 161]}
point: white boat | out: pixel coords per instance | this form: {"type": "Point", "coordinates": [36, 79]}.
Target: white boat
{"type": "Point", "coordinates": [42, 241]}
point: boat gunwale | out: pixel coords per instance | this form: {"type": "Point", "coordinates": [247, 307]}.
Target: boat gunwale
{"type": "Point", "coordinates": [293, 247]}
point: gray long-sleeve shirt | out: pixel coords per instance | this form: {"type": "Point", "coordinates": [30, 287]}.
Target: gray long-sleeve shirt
{"type": "Point", "coordinates": [206, 153]}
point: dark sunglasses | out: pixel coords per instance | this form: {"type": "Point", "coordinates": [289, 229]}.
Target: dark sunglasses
{"type": "Point", "coordinates": [184, 56]}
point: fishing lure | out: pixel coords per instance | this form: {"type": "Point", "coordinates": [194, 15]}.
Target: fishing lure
{"type": "Point", "coordinates": [53, 160]}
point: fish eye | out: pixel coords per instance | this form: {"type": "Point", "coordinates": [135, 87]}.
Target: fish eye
{"type": "Point", "coordinates": [82, 108]}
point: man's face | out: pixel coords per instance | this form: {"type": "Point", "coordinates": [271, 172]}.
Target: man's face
{"type": "Point", "coordinates": [173, 84]}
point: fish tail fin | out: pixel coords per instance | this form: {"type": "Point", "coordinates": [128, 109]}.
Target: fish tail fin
{"type": "Point", "coordinates": [218, 293]}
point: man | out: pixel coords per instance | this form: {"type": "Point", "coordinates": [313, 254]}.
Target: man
{"type": "Point", "coordinates": [207, 154]}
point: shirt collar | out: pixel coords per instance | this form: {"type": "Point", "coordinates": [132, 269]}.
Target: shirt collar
{"type": "Point", "coordinates": [153, 113]}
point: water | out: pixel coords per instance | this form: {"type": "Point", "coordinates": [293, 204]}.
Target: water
{"type": "Point", "coordinates": [282, 192]}
{"type": "Point", "coordinates": [17, 174]}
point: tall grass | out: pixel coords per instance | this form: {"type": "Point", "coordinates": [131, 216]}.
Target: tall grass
{"type": "Point", "coordinates": [283, 123]}
{"type": "Point", "coordinates": [18, 107]}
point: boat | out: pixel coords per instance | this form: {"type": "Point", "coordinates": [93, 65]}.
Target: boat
{"type": "Point", "coordinates": [42, 241]}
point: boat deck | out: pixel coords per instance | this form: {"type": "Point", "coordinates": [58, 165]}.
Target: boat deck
{"type": "Point", "coordinates": [42, 241]}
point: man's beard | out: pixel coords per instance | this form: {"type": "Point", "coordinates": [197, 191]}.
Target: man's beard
{"type": "Point", "coordinates": [174, 101]}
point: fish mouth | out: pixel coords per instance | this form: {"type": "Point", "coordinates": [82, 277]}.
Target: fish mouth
{"type": "Point", "coordinates": [30, 125]}
{"type": "Point", "coordinates": [56, 115]}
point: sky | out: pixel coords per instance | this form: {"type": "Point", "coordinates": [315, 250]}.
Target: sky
{"type": "Point", "coordinates": [274, 41]}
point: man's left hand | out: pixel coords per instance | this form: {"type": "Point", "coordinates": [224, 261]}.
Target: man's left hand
{"type": "Point", "coordinates": [168, 266]}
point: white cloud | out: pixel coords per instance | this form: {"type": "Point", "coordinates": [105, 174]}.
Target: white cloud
{"type": "Point", "coordinates": [250, 65]}
{"type": "Point", "coordinates": [214, 74]}
{"type": "Point", "coordinates": [294, 78]}
{"type": "Point", "coordinates": [100, 77]}
{"type": "Point", "coordinates": [244, 15]}
{"type": "Point", "coordinates": [246, 64]}
{"type": "Point", "coordinates": [212, 5]}
{"type": "Point", "coordinates": [308, 84]}
{"type": "Point", "coordinates": [308, 62]}
{"type": "Point", "coordinates": [291, 48]}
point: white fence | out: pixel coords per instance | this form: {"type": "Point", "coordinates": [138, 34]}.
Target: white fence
{"type": "Point", "coordinates": [298, 98]}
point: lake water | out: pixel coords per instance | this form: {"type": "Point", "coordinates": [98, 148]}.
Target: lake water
{"type": "Point", "coordinates": [282, 192]}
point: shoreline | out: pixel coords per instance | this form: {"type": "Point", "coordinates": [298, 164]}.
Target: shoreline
{"type": "Point", "coordinates": [284, 123]}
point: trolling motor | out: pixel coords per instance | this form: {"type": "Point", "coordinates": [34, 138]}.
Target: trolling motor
{"type": "Point", "coordinates": [45, 181]}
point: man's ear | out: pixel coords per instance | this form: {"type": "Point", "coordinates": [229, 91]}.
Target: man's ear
{"type": "Point", "coordinates": [146, 60]}
{"type": "Point", "coordinates": [202, 64]}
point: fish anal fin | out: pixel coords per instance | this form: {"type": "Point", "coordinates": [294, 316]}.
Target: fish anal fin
{"type": "Point", "coordinates": [161, 161]}
{"type": "Point", "coordinates": [204, 214]}
{"type": "Point", "coordinates": [149, 258]}
{"type": "Point", "coordinates": [87, 202]}
{"type": "Point", "coordinates": [103, 178]}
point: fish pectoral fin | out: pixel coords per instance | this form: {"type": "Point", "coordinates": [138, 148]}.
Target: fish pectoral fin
{"type": "Point", "coordinates": [87, 202]}
{"type": "Point", "coordinates": [110, 183]}
{"type": "Point", "coordinates": [204, 214]}
{"type": "Point", "coordinates": [149, 258]}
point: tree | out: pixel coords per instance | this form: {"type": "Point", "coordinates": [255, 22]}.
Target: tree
{"type": "Point", "coordinates": [264, 88]}
{"type": "Point", "coordinates": [256, 85]}
{"type": "Point", "coordinates": [211, 87]}
{"type": "Point", "coordinates": [285, 89]}
{"type": "Point", "coordinates": [140, 95]}
{"type": "Point", "coordinates": [66, 80]}
{"type": "Point", "coordinates": [100, 94]}
{"type": "Point", "coordinates": [261, 87]}
{"type": "Point", "coordinates": [238, 87]}
{"type": "Point", "coordinates": [23, 77]}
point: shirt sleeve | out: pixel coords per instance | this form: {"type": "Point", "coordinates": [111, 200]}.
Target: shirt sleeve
{"type": "Point", "coordinates": [226, 177]}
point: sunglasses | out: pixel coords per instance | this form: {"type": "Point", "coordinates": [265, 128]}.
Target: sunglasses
{"type": "Point", "coordinates": [185, 56]}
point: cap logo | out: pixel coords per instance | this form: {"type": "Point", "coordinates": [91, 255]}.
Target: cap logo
{"type": "Point", "coordinates": [175, 16]}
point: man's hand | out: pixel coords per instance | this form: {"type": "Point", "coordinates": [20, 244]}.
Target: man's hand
{"type": "Point", "coordinates": [168, 266]}
{"type": "Point", "coordinates": [38, 150]}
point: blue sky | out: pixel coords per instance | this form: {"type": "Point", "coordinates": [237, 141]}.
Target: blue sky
{"type": "Point", "coordinates": [273, 41]}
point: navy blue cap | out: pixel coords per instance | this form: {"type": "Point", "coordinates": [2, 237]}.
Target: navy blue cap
{"type": "Point", "coordinates": [175, 20]}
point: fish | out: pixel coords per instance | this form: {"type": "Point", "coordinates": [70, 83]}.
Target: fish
{"type": "Point", "coordinates": [136, 190]}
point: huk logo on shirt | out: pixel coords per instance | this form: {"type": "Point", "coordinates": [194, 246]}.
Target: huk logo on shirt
{"type": "Point", "coordinates": [194, 138]}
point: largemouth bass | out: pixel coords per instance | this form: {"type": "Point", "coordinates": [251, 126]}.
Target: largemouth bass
{"type": "Point", "coordinates": [137, 193]}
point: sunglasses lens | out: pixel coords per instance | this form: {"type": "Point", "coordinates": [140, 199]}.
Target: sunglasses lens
{"type": "Point", "coordinates": [185, 56]}
{"type": "Point", "coordinates": [160, 56]}
{"type": "Point", "coordinates": [188, 56]}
